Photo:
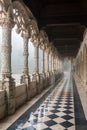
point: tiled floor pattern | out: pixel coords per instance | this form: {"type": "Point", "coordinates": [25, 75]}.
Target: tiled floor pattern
{"type": "Point", "coordinates": [56, 112]}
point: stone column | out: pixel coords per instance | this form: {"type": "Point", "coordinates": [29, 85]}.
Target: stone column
{"type": "Point", "coordinates": [57, 65]}
{"type": "Point", "coordinates": [36, 57]}
{"type": "Point", "coordinates": [25, 77]}
{"type": "Point", "coordinates": [43, 62]}
{"type": "Point", "coordinates": [8, 83]}
{"type": "Point", "coordinates": [54, 64]}
{"type": "Point", "coordinates": [43, 66]}
{"type": "Point", "coordinates": [36, 65]}
{"type": "Point", "coordinates": [25, 54]}
{"type": "Point", "coordinates": [51, 63]}
{"type": "Point", "coordinates": [47, 66]}
{"type": "Point", "coordinates": [85, 66]}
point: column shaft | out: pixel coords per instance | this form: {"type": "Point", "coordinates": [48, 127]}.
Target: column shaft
{"type": "Point", "coordinates": [25, 54]}
{"type": "Point", "coordinates": [43, 63]}
{"type": "Point", "coordinates": [8, 83]}
{"type": "Point", "coordinates": [6, 52]}
{"type": "Point", "coordinates": [36, 56]}
{"type": "Point", "coordinates": [47, 62]}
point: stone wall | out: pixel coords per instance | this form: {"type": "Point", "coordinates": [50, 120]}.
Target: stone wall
{"type": "Point", "coordinates": [2, 104]}
{"type": "Point", "coordinates": [33, 89]}
{"type": "Point", "coordinates": [22, 91]}
{"type": "Point", "coordinates": [20, 95]}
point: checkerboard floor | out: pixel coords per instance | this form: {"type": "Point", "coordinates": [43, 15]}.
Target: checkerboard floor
{"type": "Point", "coordinates": [56, 112]}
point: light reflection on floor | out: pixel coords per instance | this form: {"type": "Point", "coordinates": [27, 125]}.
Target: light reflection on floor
{"type": "Point", "coordinates": [56, 112]}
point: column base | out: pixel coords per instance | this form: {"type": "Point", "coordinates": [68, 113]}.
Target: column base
{"type": "Point", "coordinates": [48, 78]}
{"type": "Point", "coordinates": [36, 77]}
{"type": "Point", "coordinates": [26, 80]}
{"type": "Point", "coordinates": [44, 81]}
{"type": "Point", "coordinates": [8, 84]}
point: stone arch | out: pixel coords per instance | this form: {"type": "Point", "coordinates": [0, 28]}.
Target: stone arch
{"type": "Point", "coordinates": [24, 18]}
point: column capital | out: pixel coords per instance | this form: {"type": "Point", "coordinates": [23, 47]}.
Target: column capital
{"type": "Point", "coordinates": [35, 40]}
{"type": "Point", "coordinates": [42, 46]}
{"type": "Point", "coordinates": [25, 35]}
{"type": "Point", "coordinates": [6, 14]}
{"type": "Point", "coordinates": [4, 22]}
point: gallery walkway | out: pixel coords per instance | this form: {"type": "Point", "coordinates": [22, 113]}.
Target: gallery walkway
{"type": "Point", "coordinates": [61, 109]}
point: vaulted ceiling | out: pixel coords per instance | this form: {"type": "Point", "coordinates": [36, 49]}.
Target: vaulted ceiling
{"type": "Point", "coordinates": [63, 20]}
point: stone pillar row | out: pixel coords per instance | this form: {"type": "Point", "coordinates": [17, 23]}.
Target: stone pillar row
{"type": "Point", "coordinates": [8, 83]}
{"type": "Point", "coordinates": [81, 66]}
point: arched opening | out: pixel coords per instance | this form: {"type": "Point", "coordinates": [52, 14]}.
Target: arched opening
{"type": "Point", "coordinates": [31, 57]}
{"type": "Point", "coordinates": [17, 55]}
{"type": "Point", "coordinates": [67, 65]}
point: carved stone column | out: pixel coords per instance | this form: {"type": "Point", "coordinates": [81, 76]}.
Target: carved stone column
{"type": "Point", "coordinates": [57, 65]}
{"type": "Point", "coordinates": [47, 66]}
{"type": "Point", "coordinates": [36, 63]}
{"type": "Point", "coordinates": [54, 64]}
{"type": "Point", "coordinates": [43, 62]}
{"type": "Point", "coordinates": [43, 75]}
{"type": "Point", "coordinates": [8, 83]}
{"type": "Point", "coordinates": [85, 66]}
{"type": "Point", "coordinates": [25, 54]}
{"type": "Point", "coordinates": [36, 57]}
{"type": "Point", "coordinates": [25, 77]}
{"type": "Point", "coordinates": [51, 62]}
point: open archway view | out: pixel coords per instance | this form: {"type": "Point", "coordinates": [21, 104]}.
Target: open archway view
{"type": "Point", "coordinates": [67, 65]}
{"type": "Point", "coordinates": [43, 65]}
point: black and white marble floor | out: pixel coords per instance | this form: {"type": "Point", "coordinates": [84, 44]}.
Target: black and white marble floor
{"type": "Point", "coordinates": [56, 112]}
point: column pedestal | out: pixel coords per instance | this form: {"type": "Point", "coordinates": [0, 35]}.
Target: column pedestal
{"type": "Point", "coordinates": [8, 84]}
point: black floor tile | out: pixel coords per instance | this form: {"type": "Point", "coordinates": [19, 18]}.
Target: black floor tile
{"type": "Point", "coordinates": [67, 111]}
{"type": "Point", "coordinates": [29, 128]}
{"type": "Point", "coordinates": [52, 116]}
{"type": "Point", "coordinates": [47, 129]}
{"type": "Point", "coordinates": [67, 117]}
{"type": "Point", "coordinates": [55, 111]}
{"type": "Point", "coordinates": [50, 123]}
{"type": "Point", "coordinates": [66, 124]}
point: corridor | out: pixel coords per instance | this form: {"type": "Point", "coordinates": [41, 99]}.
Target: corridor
{"type": "Point", "coordinates": [56, 112]}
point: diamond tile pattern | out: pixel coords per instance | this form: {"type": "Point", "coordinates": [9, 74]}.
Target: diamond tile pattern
{"type": "Point", "coordinates": [56, 112]}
